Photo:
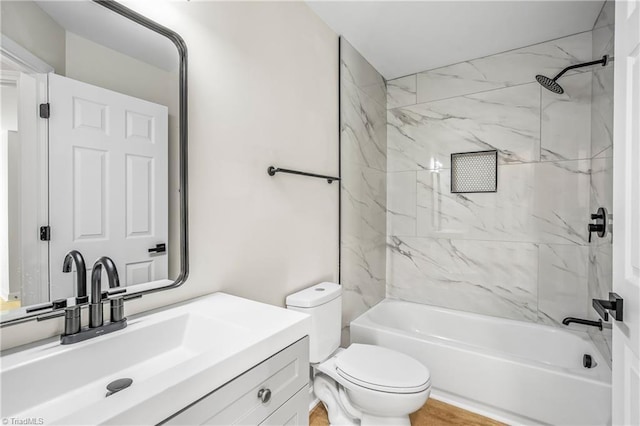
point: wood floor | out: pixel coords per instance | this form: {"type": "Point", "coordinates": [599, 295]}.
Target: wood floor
{"type": "Point", "coordinates": [8, 305]}
{"type": "Point", "coordinates": [433, 413]}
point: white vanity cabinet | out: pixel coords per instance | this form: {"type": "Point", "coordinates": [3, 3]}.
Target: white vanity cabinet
{"type": "Point", "coordinates": [274, 392]}
{"type": "Point", "coordinates": [201, 361]}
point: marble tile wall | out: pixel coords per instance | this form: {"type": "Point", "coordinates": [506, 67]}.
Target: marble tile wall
{"type": "Point", "coordinates": [519, 253]}
{"type": "Point", "coordinates": [364, 184]}
{"type": "Point", "coordinates": [600, 274]}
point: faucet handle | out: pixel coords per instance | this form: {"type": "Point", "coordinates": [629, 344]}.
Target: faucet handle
{"type": "Point", "coordinates": [117, 309]}
{"type": "Point", "coordinates": [72, 323]}
{"type": "Point", "coordinates": [117, 303]}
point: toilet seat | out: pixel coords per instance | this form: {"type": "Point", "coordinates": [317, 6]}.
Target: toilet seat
{"type": "Point", "coordinates": [381, 369]}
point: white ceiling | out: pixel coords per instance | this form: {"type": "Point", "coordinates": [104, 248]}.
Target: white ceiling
{"type": "Point", "coordinates": [403, 37]}
{"type": "Point", "coordinates": [100, 25]}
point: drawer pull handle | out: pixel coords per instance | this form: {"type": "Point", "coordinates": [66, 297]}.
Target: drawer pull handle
{"type": "Point", "coordinates": [264, 395]}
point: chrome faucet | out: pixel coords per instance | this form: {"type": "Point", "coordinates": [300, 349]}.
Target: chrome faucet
{"type": "Point", "coordinates": [95, 307]}
{"type": "Point", "coordinates": [73, 331]}
{"type": "Point", "coordinates": [72, 323]}
{"type": "Point", "coordinates": [72, 257]}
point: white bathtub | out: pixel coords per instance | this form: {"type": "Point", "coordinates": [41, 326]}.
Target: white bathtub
{"type": "Point", "coordinates": [512, 371]}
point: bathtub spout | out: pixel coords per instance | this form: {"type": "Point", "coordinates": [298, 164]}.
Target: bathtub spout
{"type": "Point", "coordinates": [569, 320]}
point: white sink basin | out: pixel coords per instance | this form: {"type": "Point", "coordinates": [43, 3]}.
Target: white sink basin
{"type": "Point", "coordinates": [174, 357]}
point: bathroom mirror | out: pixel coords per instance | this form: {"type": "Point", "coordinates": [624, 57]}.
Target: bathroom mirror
{"type": "Point", "coordinates": [93, 155]}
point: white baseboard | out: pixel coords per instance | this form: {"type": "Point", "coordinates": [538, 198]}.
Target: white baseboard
{"type": "Point", "coordinates": [313, 401]}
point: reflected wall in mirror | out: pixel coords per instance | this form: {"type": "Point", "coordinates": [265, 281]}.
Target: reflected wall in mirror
{"type": "Point", "coordinates": [90, 155]}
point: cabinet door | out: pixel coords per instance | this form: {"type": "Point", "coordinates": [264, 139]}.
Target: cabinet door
{"type": "Point", "coordinates": [294, 412]}
{"type": "Point", "coordinates": [237, 402]}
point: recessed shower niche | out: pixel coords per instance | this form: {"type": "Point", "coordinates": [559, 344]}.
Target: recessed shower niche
{"type": "Point", "coordinates": [474, 172]}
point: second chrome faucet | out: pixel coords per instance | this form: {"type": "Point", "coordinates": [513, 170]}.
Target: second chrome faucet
{"type": "Point", "coordinates": [95, 308]}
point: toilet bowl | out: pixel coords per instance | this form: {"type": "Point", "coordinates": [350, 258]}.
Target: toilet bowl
{"type": "Point", "coordinates": [381, 386]}
{"type": "Point", "coordinates": [362, 384]}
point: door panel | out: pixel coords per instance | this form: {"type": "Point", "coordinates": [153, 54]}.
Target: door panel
{"type": "Point", "coordinates": [90, 177]}
{"type": "Point", "coordinates": [140, 127]}
{"type": "Point", "coordinates": [138, 272]}
{"type": "Point", "coordinates": [139, 195]}
{"type": "Point", "coordinates": [90, 115]}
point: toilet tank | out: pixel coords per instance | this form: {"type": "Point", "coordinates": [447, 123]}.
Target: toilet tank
{"type": "Point", "coordinates": [324, 303]}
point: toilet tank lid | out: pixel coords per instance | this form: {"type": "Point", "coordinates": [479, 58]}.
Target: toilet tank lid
{"type": "Point", "coordinates": [316, 295]}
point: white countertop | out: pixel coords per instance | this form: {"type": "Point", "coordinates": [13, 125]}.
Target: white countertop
{"type": "Point", "coordinates": [194, 348]}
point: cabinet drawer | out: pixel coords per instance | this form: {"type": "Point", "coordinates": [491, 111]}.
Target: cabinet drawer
{"type": "Point", "coordinates": [294, 412]}
{"type": "Point", "coordinates": [237, 402]}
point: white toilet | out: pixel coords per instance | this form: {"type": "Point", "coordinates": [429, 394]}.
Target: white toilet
{"type": "Point", "coordinates": [363, 384]}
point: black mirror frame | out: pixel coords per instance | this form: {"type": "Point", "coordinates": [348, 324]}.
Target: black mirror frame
{"type": "Point", "coordinates": [183, 151]}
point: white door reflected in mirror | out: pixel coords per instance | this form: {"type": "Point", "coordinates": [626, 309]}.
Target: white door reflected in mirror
{"type": "Point", "coordinates": [108, 182]}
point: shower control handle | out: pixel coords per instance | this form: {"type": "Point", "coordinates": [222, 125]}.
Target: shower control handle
{"type": "Point", "coordinates": [600, 227]}
{"type": "Point", "coordinates": [594, 228]}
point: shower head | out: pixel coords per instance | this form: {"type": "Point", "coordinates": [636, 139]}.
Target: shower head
{"type": "Point", "coordinates": [552, 85]}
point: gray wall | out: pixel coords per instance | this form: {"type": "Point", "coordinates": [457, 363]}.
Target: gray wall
{"type": "Point", "coordinates": [364, 185]}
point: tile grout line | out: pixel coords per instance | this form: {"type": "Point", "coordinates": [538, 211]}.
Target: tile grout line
{"type": "Point", "coordinates": [452, 238]}
{"type": "Point", "coordinates": [503, 165]}
{"type": "Point", "coordinates": [538, 246]}
{"type": "Point", "coordinates": [415, 211]}
{"type": "Point", "coordinates": [540, 128]}
{"type": "Point", "coordinates": [573, 73]}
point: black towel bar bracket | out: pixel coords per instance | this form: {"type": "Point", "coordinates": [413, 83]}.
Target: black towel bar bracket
{"type": "Point", "coordinates": [273, 170]}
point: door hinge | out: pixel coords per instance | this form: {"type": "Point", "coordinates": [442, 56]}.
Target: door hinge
{"type": "Point", "coordinates": [45, 110]}
{"type": "Point", "coordinates": [45, 233]}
